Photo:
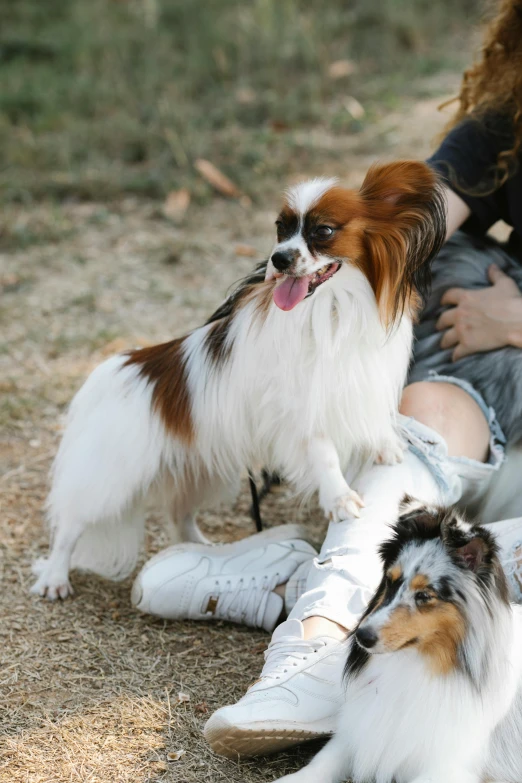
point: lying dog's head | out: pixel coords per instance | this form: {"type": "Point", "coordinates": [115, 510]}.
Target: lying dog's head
{"type": "Point", "coordinates": [390, 230]}
{"type": "Point", "coordinates": [439, 575]}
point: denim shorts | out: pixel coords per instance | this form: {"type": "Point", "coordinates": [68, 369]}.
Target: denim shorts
{"type": "Point", "coordinates": [459, 478]}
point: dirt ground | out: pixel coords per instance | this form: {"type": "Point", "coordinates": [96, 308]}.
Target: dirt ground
{"type": "Point", "coordinates": [89, 687]}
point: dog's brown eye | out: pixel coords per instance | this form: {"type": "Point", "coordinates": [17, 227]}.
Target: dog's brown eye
{"type": "Point", "coordinates": [323, 232]}
{"type": "Point", "coordinates": [422, 598]}
{"type": "Point", "coordinates": [283, 231]}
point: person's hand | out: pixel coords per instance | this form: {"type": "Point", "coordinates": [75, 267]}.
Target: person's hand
{"type": "Point", "coordinates": [482, 320]}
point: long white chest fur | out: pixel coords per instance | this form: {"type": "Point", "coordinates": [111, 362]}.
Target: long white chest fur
{"type": "Point", "coordinates": [328, 368]}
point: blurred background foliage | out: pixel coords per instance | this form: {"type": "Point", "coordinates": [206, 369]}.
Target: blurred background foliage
{"type": "Point", "coordinates": [104, 97]}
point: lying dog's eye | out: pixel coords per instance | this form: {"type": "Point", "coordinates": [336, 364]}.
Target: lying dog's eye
{"type": "Point", "coordinates": [323, 232]}
{"type": "Point", "coordinates": [422, 598]}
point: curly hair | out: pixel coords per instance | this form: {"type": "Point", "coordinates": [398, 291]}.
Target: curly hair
{"type": "Point", "coordinates": [493, 85]}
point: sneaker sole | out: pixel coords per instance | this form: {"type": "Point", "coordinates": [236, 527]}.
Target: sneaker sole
{"type": "Point", "coordinates": [234, 742]}
{"type": "Point", "coordinates": [279, 533]}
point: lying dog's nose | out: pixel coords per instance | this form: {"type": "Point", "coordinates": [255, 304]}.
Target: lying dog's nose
{"type": "Point", "coordinates": [366, 636]}
{"type": "Point", "coordinates": [282, 261]}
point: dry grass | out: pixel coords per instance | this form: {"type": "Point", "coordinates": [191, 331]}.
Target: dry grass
{"type": "Point", "coordinates": [89, 687]}
{"type": "Point", "coordinates": [101, 743]}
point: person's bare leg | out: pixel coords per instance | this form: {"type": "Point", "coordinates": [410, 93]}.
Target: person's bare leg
{"type": "Point", "coordinates": [320, 626]}
{"type": "Point", "coordinates": [451, 412]}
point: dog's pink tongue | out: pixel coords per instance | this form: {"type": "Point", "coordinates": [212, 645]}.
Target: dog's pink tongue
{"type": "Point", "coordinates": [291, 291]}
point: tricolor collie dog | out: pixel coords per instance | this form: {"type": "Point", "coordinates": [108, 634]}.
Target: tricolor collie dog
{"type": "Point", "coordinates": [300, 370]}
{"type": "Point", "coordinates": [434, 673]}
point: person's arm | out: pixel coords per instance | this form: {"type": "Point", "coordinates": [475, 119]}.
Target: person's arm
{"type": "Point", "coordinates": [457, 211]}
{"type": "Point", "coordinates": [465, 160]}
{"type": "Point", "coordinates": [490, 318]}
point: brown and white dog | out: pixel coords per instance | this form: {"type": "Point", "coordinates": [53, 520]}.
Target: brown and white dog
{"type": "Point", "coordinates": [300, 370]}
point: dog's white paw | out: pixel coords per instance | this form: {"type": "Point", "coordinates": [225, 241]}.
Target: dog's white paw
{"type": "Point", "coordinates": [50, 585]}
{"type": "Point", "coordinates": [392, 454]}
{"type": "Point", "coordinates": [345, 507]}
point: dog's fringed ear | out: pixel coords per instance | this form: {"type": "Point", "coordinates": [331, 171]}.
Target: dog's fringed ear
{"type": "Point", "coordinates": [405, 227]}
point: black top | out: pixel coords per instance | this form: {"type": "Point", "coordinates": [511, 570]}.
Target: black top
{"type": "Point", "coordinates": [467, 159]}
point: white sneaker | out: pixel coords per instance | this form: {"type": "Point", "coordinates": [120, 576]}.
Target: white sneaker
{"type": "Point", "coordinates": [297, 697]}
{"type": "Point", "coordinates": [232, 582]}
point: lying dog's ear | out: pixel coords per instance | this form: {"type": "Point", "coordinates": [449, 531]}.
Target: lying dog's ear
{"type": "Point", "coordinates": [417, 521]}
{"type": "Point", "coordinates": [472, 554]}
{"type": "Point", "coordinates": [410, 506]}
{"type": "Point", "coordinates": [414, 513]}
{"type": "Point", "coordinates": [405, 227]}
{"type": "Point", "coordinates": [470, 546]}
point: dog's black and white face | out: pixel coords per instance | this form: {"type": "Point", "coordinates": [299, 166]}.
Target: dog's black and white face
{"type": "Point", "coordinates": [304, 256]}
{"type": "Point", "coordinates": [437, 567]}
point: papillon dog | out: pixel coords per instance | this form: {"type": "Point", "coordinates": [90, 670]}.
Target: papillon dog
{"type": "Point", "coordinates": [434, 671]}
{"type": "Point", "coordinates": [300, 371]}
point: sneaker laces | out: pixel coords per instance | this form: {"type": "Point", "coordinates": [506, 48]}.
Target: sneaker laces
{"type": "Point", "coordinates": [284, 654]}
{"type": "Point", "coordinates": [244, 600]}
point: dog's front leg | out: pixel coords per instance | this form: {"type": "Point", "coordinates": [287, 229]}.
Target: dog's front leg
{"type": "Point", "coordinates": [391, 453]}
{"type": "Point", "coordinates": [53, 571]}
{"type": "Point", "coordinates": [337, 500]}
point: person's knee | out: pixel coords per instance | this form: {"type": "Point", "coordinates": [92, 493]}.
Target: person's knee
{"type": "Point", "coordinates": [451, 412]}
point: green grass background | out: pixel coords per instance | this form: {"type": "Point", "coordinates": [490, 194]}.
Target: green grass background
{"type": "Point", "coordinates": [104, 97]}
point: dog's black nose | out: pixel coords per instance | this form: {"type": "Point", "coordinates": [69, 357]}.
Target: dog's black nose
{"type": "Point", "coordinates": [282, 261]}
{"type": "Point", "coordinates": [366, 636]}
